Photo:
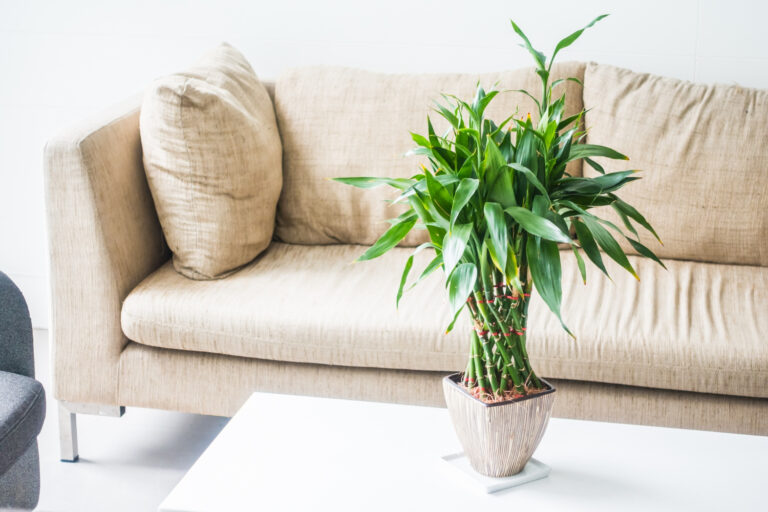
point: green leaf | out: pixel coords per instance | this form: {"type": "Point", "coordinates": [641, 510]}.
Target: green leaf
{"type": "Point", "coordinates": [588, 150]}
{"type": "Point", "coordinates": [433, 265]}
{"type": "Point", "coordinates": [447, 114]}
{"type": "Point", "coordinates": [539, 207]}
{"type": "Point", "coordinates": [403, 279]}
{"type": "Point", "coordinates": [493, 160]}
{"type": "Point", "coordinates": [593, 186]}
{"type": "Point", "coordinates": [506, 147]}
{"type": "Point", "coordinates": [555, 218]}
{"type": "Point", "coordinates": [464, 192]}
{"type": "Point", "coordinates": [481, 104]}
{"type": "Point", "coordinates": [631, 212]}
{"type": "Point", "coordinates": [568, 41]}
{"type": "Point", "coordinates": [420, 140]}
{"type": "Point", "coordinates": [467, 168]}
{"type": "Point", "coordinates": [527, 150]}
{"type": "Point", "coordinates": [437, 235]}
{"type": "Point", "coordinates": [473, 117]}
{"type": "Point", "coordinates": [502, 190]}
{"type": "Point", "coordinates": [596, 166]}
{"type": "Point", "coordinates": [439, 195]}
{"type": "Point", "coordinates": [497, 228]}
{"type": "Point", "coordinates": [587, 242]}
{"type": "Point", "coordinates": [372, 182]}
{"type": "Point", "coordinates": [417, 205]}
{"type": "Point", "coordinates": [447, 158]}
{"type": "Point", "coordinates": [406, 271]}
{"type": "Point", "coordinates": [546, 273]}
{"type": "Point", "coordinates": [433, 141]}
{"type": "Point", "coordinates": [389, 239]}
{"type": "Point", "coordinates": [609, 244]}
{"type": "Point", "coordinates": [580, 262]}
{"type": "Point", "coordinates": [499, 181]}
{"type": "Point", "coordinates": [624, 219]}
{"type": "Point", "coordinates": [453, 322]}
{"type": "Point", "coordinates": [537, 55]}
{"type": "Point", "coordinates": [549, 134]}
{"type": "Point", "coordinates": [614, 180]}
{"type": "Point", "coordinates": [531, 177]}
{"type": "Point", "coordinates": [454, 245]}
{"type": "Point", "coordinates": [537, 226]}
{"type": "Point", "coordinates": [563, 80]}
{"type": "Point", "coordinates": [643, 250]}
{"type": "Point", "coordinates": [568, 120]}
{"type": "Point", "coordinates": [511, 273]}
{"type": "Point", "coordinates": [586, 201]}
{"type": "Point", "coordinates": [488, 246]}
{"type": "Point", "coordinates": [460, 285]}
{"type": "Point", "coordinates": [544, 74]}
{"type": "Point", "coordinates": [523, 91]}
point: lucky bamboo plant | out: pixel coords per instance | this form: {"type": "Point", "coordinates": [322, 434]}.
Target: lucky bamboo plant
{"type": "Point", "coordinates": [496, 201]}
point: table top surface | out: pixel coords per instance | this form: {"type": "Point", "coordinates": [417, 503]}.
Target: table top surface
{"type": "Point", "coordinates": [283, 452]}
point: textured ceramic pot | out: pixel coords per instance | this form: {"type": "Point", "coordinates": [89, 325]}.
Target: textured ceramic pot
{"type": "Point", "coordinates": [498, 438]}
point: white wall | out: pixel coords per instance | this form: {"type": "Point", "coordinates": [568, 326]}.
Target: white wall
{"type": "Point", "coordinates": [63, 60]}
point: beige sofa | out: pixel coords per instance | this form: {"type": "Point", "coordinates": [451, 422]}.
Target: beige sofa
{"type": "Point", "coordinates": [684, 348]}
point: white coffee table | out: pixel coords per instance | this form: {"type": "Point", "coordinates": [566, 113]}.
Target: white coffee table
{"type": "Point", "coordinates": [287, 453]}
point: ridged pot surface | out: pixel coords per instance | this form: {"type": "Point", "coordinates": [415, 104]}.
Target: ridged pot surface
{"type": "Point", "coordinates": [498, 439]}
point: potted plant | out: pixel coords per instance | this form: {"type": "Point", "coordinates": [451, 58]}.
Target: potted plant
{"type": "Point", "coordinates": [496, 201]}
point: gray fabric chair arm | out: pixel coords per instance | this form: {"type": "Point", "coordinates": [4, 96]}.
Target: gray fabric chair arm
{"type": "Point", "coordinates": [22, 402]}
{"type": "Point", "coordinates": [16, 355]}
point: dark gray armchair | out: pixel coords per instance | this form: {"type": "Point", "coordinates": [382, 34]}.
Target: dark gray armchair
{"type": "Point", "coordinates": [22, 403]}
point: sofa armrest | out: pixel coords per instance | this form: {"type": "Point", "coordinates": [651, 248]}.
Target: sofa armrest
{"type": "Point", "coordinates": [16, 351]}
{"type": "Point", "coordinates": [104, 238]}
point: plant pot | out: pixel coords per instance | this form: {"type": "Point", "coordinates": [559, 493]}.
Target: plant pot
{"type": "Point", "coordinates": [498, 438]}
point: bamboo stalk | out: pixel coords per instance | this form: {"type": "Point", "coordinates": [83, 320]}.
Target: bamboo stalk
{"type": "Point", "coordinates": [481, 382]}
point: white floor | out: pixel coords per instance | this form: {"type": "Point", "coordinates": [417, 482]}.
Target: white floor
{"type": "Point", "coordinates": [126, 464]}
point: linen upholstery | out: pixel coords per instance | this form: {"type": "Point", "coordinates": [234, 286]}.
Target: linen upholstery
{"type": "Point", "coordinates": [216, 384]}
{"type": "Point", "coordinates": [16, 351]}
{"type": "Point", "coordinates": [307, 304]}
{"type": "Point", "coordinates": [20, 485]}
{"type": "Point", "coordinates": [346, 122]}
{"type": "Point", "coordinates": [697, 327]}
{"type": "Point", "coordinates": [22, 402]}
{"type": "Point", "coordinates": [212, 155]}
{"type": "Point", "coordinates": [22, 410]}
{"type": "Point", "coordinates": [704, 157]}
{"type": "Point", "coordinates": [104, 238]}
{"type": "Point", "coordinates": [694, 327]}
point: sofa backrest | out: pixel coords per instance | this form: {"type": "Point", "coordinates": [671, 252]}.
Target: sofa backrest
{"type": "Point", "coordinates": [703, 150]}
{"type": "Point", "coordinates": [345, 122]}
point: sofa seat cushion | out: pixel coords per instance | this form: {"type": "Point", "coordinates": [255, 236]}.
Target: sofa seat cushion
{"type": "Point", "coordinates": [306, 304]}
{"type": "Point", "coordinates": [696, 327]}
{"type": "Point", "coordinates": [22, 411]}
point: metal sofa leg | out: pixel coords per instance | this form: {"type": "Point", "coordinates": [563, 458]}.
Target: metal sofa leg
{"type": "Point", "coordinates": [67, 434]}
{"type": "Point", "coordinates": [68, 412]}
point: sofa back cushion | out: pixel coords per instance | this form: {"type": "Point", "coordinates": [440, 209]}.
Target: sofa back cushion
{"type": "Point", "coordinates": [213, 159]}
{"type": "Point", "coordinates": [344, 122]}
{"type": "Point", "coordinates": [703, 150]}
